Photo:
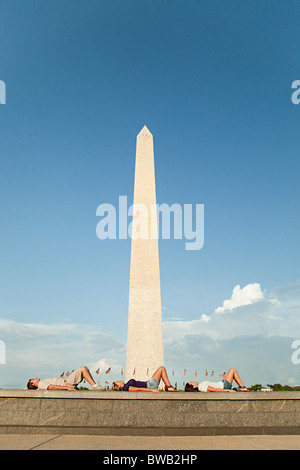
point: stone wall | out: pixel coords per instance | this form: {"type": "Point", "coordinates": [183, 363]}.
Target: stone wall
{"type": "Point", "coordinates": [145, 413]}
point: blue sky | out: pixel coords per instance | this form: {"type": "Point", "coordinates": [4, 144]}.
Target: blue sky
{"type": "Point", "coordinates": [212, 81]}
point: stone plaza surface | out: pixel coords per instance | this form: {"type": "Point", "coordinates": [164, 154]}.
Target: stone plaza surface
{"type": "Point", "coordinates": [128, 414]}
{"type": "Point", "coordinates": [147, 443]}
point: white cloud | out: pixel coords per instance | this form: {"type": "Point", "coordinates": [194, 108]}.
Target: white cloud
{"type": "Point", "coordinates": [205, 318]}
{"type": "Point", "coordinates": [47, 350]}
{"type": "Point", "coordinates": [254, 333]}
{"type": "Point", "coordinates": [247, 295]}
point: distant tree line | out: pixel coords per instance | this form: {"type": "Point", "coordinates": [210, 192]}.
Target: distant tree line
{"type": "Point", "coordinates": [275, 388]}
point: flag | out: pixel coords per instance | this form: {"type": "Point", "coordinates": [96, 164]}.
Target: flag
{"type": "Point", "coordinates": [212, 373]}
{"type": "Point", "coordinates": [184, 372]}
{"type": "Point", "coordinates": [134, 372]}
{"type": "Point", "coordinates": [206, 373]}
{"type": "Point", "coordinates": [98, 370]}
{"type": "Point", "coordinates": [195, 373]}
{"type": "Point", "coordinates": [122, 371]}
{"type": "Point", "coordinates": [61, 375]}
{"type": "Point", "coordinates": [108, 370]}
{"type": "Point", "coordinates": [107, 382]}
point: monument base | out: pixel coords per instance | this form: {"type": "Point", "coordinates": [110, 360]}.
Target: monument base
{"type": "Point", "coordinates": [147, 414]}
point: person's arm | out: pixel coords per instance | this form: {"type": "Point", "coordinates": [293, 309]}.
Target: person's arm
{"type": "Point", "coordinates": [136, 389]}
{"type": "Point", "coordinates": [61, 387]}
{"type": "Point", "coordinates": [213, 389]}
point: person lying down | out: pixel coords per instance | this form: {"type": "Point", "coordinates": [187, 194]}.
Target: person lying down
{"type": "Point", "coordinates": [223, 386]}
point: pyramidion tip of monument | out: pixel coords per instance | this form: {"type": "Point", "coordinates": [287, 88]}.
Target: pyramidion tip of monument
{"type": "Point", "coordinates": [144, 132]}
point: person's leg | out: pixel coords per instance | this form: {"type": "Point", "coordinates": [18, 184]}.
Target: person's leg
{"type": "Point", "coordinates": [87, 376]}
{"type": "Point", "coordinates": [161, 373]}
{"type": "Point", "coordinates": [233, 375]}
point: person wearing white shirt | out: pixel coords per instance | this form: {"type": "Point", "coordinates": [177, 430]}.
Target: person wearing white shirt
{"type": "Point", "coordinates": [223, 386]}
{"type": "Point", "coordinates": [70, 383]}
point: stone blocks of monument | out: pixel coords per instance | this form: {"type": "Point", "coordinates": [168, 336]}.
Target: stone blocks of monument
{"type": "Point", "coordinates": [144, 336]}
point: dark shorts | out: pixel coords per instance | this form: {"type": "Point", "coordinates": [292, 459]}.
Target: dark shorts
{"type": "Point", "coordinates": [227, 385]}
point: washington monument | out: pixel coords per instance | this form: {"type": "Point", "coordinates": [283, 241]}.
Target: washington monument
{"type": "Point", "coordinates": [144, 336]}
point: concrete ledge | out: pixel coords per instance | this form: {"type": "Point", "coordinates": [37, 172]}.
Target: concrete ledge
{"type": "Point", "coordinates": [128, 413]}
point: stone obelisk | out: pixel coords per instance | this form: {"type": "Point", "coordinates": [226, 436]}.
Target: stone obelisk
{"type": "Point", "coordinates": [144, 337]}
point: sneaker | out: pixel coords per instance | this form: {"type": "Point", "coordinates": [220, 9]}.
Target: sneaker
{"type": "Point", "coordinates": [98, 388]}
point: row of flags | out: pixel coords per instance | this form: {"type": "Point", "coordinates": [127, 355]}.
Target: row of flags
{"type": "Point", "coordinates": [107, 382]}
{"type": "Point", "coordinates": [107, 371]}
{"type": "Point", "coordinates": [206, 373]}
{"type": "Point", "coordinates": [221, 374]}
{"type": "Point", "coordinates": [66, 374]}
